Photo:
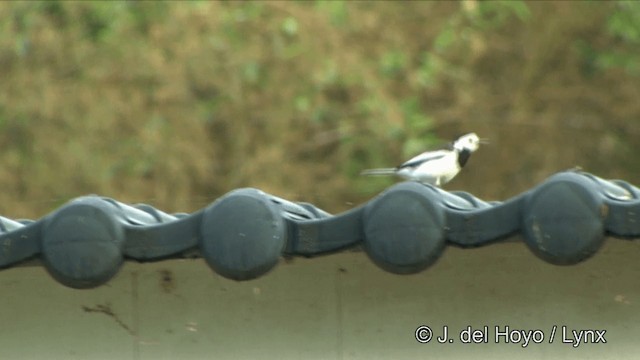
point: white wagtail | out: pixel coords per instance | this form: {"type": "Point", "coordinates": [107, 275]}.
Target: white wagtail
{"type": "Point", "coordinates": [436, 167]}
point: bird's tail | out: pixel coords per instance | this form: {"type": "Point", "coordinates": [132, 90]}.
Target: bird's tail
{"type": "Point", "coordinates": [379, 172]}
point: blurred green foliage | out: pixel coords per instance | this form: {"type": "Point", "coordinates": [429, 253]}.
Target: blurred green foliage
{"type": "Point", "coordinates": [624, 27]}
{"type": "Point", "coordinates": [175, 103]}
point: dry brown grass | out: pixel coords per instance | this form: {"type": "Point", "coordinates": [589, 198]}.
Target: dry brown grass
{"type": "Point", "coordinates": [208, 97]}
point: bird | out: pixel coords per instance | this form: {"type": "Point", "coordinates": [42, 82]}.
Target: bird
{"type": "Point", "coordinates": [435, 167]}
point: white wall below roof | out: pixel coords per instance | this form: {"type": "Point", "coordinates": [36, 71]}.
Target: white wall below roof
{"type": "Point", "coordinates": [336, 307]}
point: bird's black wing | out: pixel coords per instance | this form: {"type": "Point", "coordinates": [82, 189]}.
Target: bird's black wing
{"type": "Point", "coordinates": [423, 158]}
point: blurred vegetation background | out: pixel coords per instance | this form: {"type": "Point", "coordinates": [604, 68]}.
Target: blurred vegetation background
{"type": "Point", "coordinates": [176, 103]}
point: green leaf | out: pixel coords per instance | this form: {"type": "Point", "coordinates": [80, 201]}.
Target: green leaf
{"type": "Point", "coordinates": [393, 62]}
{"type": "Point", "coordinates": [444, 39]}
{"type": "Point", "coordinates": [290, 26]}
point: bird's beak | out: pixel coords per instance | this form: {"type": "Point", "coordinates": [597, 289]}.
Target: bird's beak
{"type": "Point", "coordinates": [484, 141]}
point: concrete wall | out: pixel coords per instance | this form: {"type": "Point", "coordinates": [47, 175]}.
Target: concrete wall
{"type": "Point", "coordinates": [339, 306]}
